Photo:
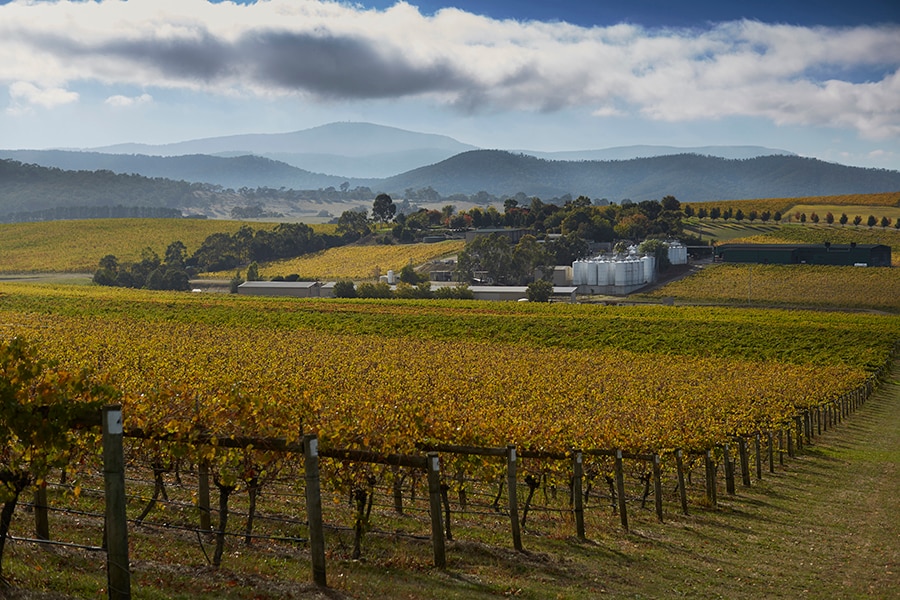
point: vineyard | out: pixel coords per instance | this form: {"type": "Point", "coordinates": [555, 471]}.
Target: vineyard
{"type": "Point", "coordinates": [790, 285]}
{"type": "Point", "coordinates": [77, 246]}
{"type": "Point", "coordinates": [357, 262]}
{"type": "Point", "coordinates": [785, 205]}
{"type": "Point", "coordinates": [380, 379]}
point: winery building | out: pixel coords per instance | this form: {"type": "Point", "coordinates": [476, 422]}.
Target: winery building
{"type": "Point", "coordinates": [869, 255]}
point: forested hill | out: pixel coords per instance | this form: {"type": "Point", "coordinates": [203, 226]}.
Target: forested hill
{"type": "Point", "coordinates": [32, 189]}
{"type": "Point", "coordinates": [688, 177]}
{"type": "Point", "coordinates": [229, 172]}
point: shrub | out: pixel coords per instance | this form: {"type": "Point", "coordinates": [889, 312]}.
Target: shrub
{"type": "Point", "coordinates": [539, 291]}
{"type": "Point", "coordinates": [344, 289]}
{"type": "Point", "coordinates": [374, 290]}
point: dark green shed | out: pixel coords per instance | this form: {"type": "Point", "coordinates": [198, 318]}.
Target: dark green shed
{"type": "Point", "coordinates": [870, 255]}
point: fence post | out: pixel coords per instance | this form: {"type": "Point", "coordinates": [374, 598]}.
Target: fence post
{"type": "Point", "coordinates": [117, 565]}
{"type": "Point", "coordinates": [41, 516]}
{"type": "Point", "coordinates": [729, 470]}
{"type": "Point", "coordinates": [790, 443]}
{"type": "Point", "coordinates": [577, 492]}
{"type": "Point", "coordinates": [314, 508]}
{"type": "Point", "coordinates": [657, 487]}
{"type": "Point", "coordinates": [433, 465]}
{"type": "Point", "coordinates": [682, 492]}
{"type": "Point", "coordinates": [757, 447]}
{"type": "Point", "coordinates": [770, 443]}
{"type": "Point", "coordinates": [513, 499]}
{"type": "Point", "coordinates": [620, 489]}
{"type": "Point", "coordinates": [710, 479]}
{"type": "Point", "coordinates": [203, 495]}
{"type": "Point", "coordinates": [798, 423]}
{"type": "Point", "coordinates": [745, 461]}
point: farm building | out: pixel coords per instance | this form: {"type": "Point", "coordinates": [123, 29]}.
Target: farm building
{"type": "Point", "coordinates": [513, 293]}
{"type": "Point", "coordinates": [871, 255]}
{"type": "Point", "coordinates": [295, 289]}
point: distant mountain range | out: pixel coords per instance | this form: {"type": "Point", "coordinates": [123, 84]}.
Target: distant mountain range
{"type": "Point", "coordinates": [357, 150]}
{"type": "Point", "coordinates": [368, 151]}
{"type": "Point", "coordinates": [341, 150]}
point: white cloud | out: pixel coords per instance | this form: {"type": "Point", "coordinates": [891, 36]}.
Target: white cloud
{"type": "Point", "coordinates": [327, 50]}
{"type": "Point", "coordinates": [25, 96]}
{"type": "Point", "coordinates": [119, 101]}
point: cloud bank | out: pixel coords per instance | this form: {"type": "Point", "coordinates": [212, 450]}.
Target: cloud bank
{"type": "Point", "coordinates": [326, 51]}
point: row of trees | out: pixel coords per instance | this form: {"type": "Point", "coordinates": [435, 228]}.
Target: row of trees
{"type": "Point", "coordinates": [579, 217]}
{"type": "Point", "coordinates": [218, 252]}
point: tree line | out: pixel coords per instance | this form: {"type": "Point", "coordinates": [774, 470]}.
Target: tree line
{"type": "Point", "coordinates": [218, 252]}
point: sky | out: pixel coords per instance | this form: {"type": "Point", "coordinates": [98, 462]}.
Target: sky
{"type": "Point", "coordinates": [820, 78]}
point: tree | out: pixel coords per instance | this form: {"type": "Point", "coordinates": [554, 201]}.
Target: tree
{"type": "Point", "coordinates": [344, 289]}
{"type": "Point", "coordinates": [871, 221]}
{"type": "Point", "coordinates": [253, 272]}
{"type": "Point", "coordinates": [885, 221]}
{"type": "Point", "coordinates": [539, 291]}
{"type": "Point", "coordinates": [843, 219]}
{"type": "Point", "coordinates": [657, 249]}
{"type": "Point", "coordinates": [236, 282]}
{"type": "Point", "coordinates": [176, 253]}
{"type": "Point", "coordinates": [829, 218]}
{"type": "Point", "coordinates": [383, 208]}
{"type": "Point", "coordinates": [374, 290]}
{"type": "Point", "coordinates": [409, 275]}
{"type": "Point", "coordinates": [487, 254]}
{"type": "Point", "coordinates": [353, 224]}
{"type": "Point", "coordinates": [671, 203]}
{"type": "Point", "coordinates": [814, 217]}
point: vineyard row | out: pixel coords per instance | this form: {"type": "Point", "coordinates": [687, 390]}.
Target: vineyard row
{"type": "Point", "coordinates": [805, 426]}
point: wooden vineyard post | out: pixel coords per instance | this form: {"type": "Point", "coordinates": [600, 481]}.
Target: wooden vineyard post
{"type": "Point", "coordinates": [314, 508]}
{"type": "Point", "coordinates": [657, 487]}
{"type": "Point", "coordinates": [770, 442]}
{"type": "Point", "coordinates": [41, 517]}
{"type": "Point", "coordinates": [819, 420]}
{"type": "Point", "coordinates": [117, 565]}
{"type": "Point", "coordinates": [711, 495]}
{"type": "Point", "coordinates": [757, 447]}
{"type": "Point", "coordinates": [729, 470]}
{"type": "Point", "coordinates": [798, 423]}
{"type": "Point", "coordinates": [790, 443]}
{"type": "Point", "coordinates": [682, 492]}
{"type": "Point", "coordinates": [513, 499]}
{"type": "Point", "coordinates": [620, 489]}
{"type": "Point", "coordinates": [433, 466]}
{"type": "Point", "coordinates": [577, 493]}
{"type": "Point", "coordinates": [203, 495]}
{"type": "Point", "coordinates": [745, 461]}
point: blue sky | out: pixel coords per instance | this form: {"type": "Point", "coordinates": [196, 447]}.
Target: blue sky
{"type": "Point", "coordinates": [818, 78]}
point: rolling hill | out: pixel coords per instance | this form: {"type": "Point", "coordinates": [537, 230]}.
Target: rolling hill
{"type": "Point", "coordinates": [689, 177]}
